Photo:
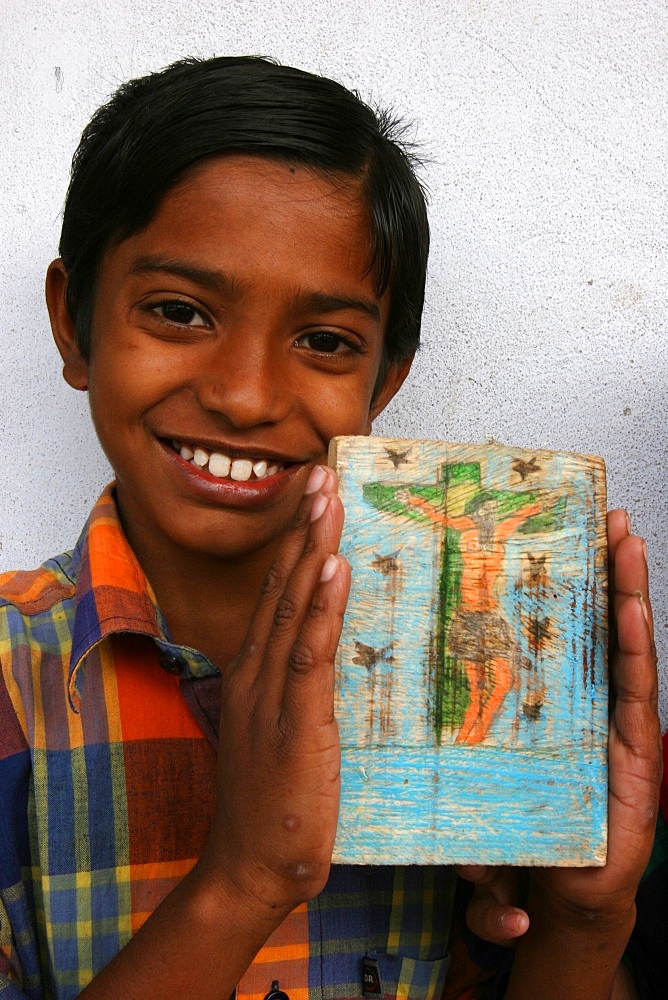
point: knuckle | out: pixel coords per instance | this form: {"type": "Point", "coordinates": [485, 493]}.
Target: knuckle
{"type": "Point", "coordinates": [285, 614]}
{"type": "Point", "coordinates": [273, 583]}
{"type": "Point", "coordinates": [319, 609]}
{"type": "Point", "coordinates": [310, 545]}
{"type": "Point", "coordinates": [302, 658]}
{"type": "Point", "coordinates": [302, 518]}
{"type": "Point", "coordinates": [327, 623]}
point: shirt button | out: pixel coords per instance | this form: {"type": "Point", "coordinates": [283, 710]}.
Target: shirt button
{"type": "Point", "coordinates": [170, 664]}
{"type": "Point", "coordinates": [276, 994]}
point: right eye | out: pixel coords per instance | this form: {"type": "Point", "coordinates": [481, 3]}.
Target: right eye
{"type": "Point", "coordinates": [179, 313]}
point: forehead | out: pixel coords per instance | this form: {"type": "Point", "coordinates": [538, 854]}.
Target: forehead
{"type": "Point", "coordinates": [248, 213]}
{"type": "Point", "coordinates": [251, 198]}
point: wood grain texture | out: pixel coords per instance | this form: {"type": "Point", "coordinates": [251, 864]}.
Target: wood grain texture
{"type": "Point", "coordinates": [472, 673]}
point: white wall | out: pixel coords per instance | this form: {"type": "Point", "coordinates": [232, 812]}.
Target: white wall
{"type": "Point", "coordinates": [544, 126]}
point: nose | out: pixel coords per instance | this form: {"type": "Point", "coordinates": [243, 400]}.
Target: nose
{"type": "Point", "coordinates": [246, 384]}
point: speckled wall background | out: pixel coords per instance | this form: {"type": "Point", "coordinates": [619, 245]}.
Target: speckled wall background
{"type": "Point", "coordinates": [543, 128]}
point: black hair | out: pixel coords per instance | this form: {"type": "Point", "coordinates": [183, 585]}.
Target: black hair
{"type": "Point", "coordinates": [154, 128]}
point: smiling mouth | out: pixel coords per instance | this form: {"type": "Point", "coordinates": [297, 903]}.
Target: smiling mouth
{"type": "Point", "coordinates": [220, 466]}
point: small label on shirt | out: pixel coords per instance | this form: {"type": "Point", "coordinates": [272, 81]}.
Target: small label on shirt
{"type": "Point", "coordinates": [371, 978]}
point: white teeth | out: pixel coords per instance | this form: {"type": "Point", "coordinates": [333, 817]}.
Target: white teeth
{"type": "Point", "coordinates": [241, 470]}
{"type": "Point", "coordinates": [219, 465]}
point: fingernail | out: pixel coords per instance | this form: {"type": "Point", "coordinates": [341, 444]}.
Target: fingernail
{"type": "Point", "coordinates": [330, 569]}
{"type": "Point", "coordinates": [643, 604]}
{"type": "Point", "coordinates": [319, 507]}
{"type": "Point", "coordinates": [628, 523]}
{"type": "Point", "coordinates": [516, 921]}
{"type": "Point", "coordinates": [644, 549]}
{"type": "Point", "coordinates": [317, 478]}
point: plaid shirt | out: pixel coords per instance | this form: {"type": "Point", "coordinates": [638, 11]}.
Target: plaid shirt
{"type": "Point", "coordinates": [108, 735]}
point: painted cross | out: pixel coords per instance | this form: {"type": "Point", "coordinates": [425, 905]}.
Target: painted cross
{"type": "Point", "coordinates": [475, 653]}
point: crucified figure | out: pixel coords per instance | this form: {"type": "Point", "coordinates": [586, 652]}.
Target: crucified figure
{"type": "Point", "coordinates": [479, 634]}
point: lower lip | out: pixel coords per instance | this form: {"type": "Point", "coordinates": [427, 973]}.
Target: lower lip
{"type": "Point", "coordinates": [230, 492]}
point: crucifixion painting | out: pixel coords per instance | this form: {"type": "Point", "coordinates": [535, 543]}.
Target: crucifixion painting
{"type": "Point", "coordinates": [471, 633]}
{"type": "Point", "coordinates": [474, 643]}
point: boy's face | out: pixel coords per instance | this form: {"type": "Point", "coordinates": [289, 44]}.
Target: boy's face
{"type": "Point", "coordinates": [238, 324]}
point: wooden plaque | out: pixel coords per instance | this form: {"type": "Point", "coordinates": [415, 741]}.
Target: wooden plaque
{"type": "Point", "coordinates": [472, 671]}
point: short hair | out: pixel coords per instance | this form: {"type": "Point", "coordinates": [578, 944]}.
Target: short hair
{"type": "Point", "coordinates": [154, 128]}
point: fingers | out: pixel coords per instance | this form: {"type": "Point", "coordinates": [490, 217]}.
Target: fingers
{"type": "Point", "coordinates": [492, 913]}
{"type": "Point", "coordinates": [627, 559]}
{"type": "Point", "coordinates": [635, 739]}
{"type": "Point", "coordinates": [311, 507]}
{"type": "Point", "coordinates": [501, 925]}
{"type": "Point", "coordinates": [634, 679]}
{"type": "Point", "coordinates": [302, 568]}
{"type": "Point", "coordinates": [619, 526]}
{"type": "Point", "coordinates": [291, 550]}
{"type": "Point", "coordinates": [309, 689]}
{"type": "Point", "coordinates": [295, 640]}
{"type": "Point", "coordinates": [633, 664]}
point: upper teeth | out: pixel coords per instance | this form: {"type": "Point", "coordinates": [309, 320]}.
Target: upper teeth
{"type": "Point", "coordinates": [221, 466]}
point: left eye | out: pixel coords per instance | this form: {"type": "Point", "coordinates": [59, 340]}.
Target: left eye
{"type": "Point", "coordinates": [180, 312]}
{"type": "Point", "coordinates": [324, 342]}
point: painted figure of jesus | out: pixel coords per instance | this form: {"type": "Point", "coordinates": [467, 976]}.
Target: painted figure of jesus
{"type": "Point", "coordinates": [479, 634]}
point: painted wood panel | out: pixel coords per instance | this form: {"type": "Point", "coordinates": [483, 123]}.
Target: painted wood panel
{"type": "Point", "coordinates": [471, 673]}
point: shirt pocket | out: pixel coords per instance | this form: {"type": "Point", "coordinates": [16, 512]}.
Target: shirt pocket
{"type": "Point", "coordinates": [404, 978]}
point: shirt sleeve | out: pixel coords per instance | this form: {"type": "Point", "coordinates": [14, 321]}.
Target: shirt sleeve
{"type": "Point", "coordinates": [19, 956]}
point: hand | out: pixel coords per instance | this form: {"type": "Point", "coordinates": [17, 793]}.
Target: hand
{"type": "Point", "coordinates": [634, 743]}
{"type": "Point", "coordinates": [493, 912]}
{"type": "Point", "coordinates": [596, 900]}
{"type": "Point", "coordinates": [279, 758]}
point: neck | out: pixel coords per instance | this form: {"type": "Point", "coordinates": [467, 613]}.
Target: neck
{"type": "Point", "coordinates": [208, 605]}
{"type": "Point", "coordinates": [207, 601]}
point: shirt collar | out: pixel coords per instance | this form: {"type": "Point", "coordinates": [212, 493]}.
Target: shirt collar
{"type": "Point", "coordinates": [113, 595]}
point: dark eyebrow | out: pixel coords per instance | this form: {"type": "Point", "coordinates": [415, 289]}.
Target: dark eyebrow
{"type": "Point", "coordinates": [224, 284]}
{"type": "Point", "coordinates": [320, 302]}
{"type": "Point", "coordinates": [214, 281]}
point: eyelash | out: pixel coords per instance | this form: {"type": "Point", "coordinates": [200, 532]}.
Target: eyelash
{"type": "Point", "coordinates": [349, 343]}
{"type": "Point", "coordinates": [155, 308]}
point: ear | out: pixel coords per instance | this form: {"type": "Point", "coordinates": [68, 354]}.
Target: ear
{"type": "Point", "coordinates": [75, 368]}
{"type": "Point", "coordinates": [392, 382]}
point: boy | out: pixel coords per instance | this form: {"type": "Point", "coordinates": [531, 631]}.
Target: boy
{"type": "Point", "coordinates": [241, 277]}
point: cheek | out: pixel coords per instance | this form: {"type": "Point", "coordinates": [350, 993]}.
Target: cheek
{"type": "Point", "coordinates": [132, 379]}
{"type": "Point", "coordinates": [340, 412]}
